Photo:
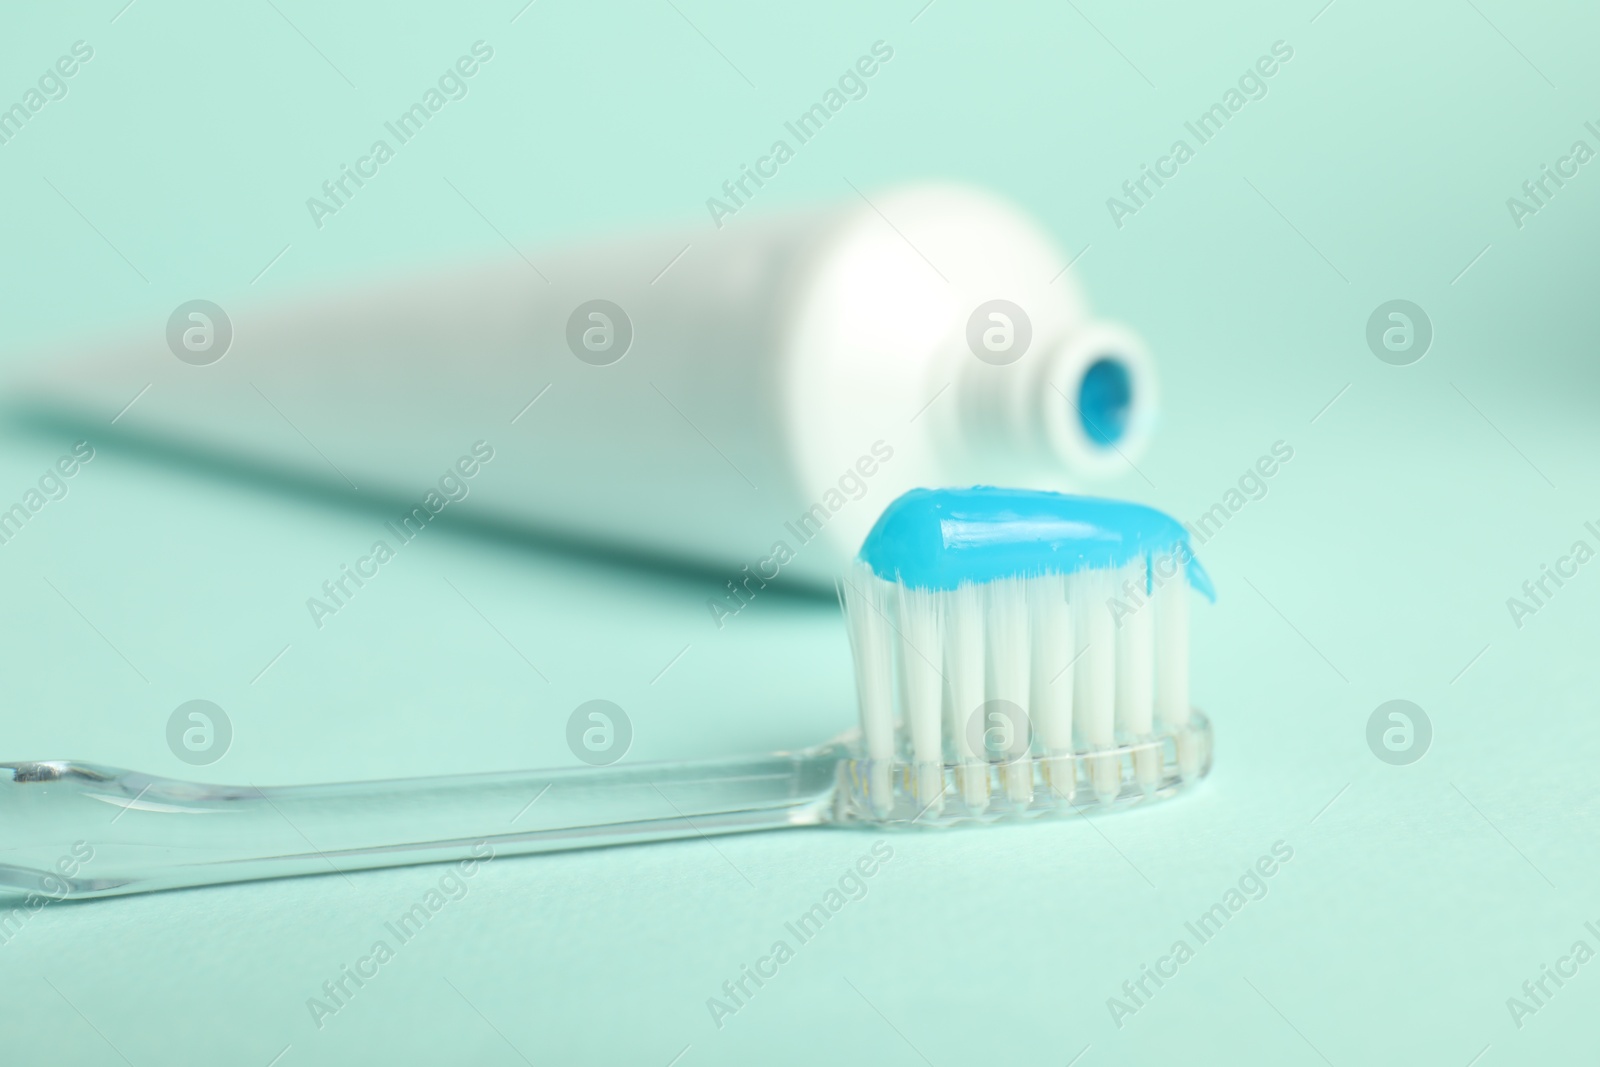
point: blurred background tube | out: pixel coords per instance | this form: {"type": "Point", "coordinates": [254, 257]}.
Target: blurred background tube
{"type": "Point", "coordinates": [744, 399]}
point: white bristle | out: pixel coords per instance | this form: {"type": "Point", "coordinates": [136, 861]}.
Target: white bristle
{"type": "Point", "coordinates": [866, 599]}
{"type": "Point", "coordinates": [1008, 679]}
{"type": "Point", "coordinates": [1005, 604]}
{"type": "Point", "coordinates": [1050, 695]}
{"type": "Point", "coordinates": [1171, 602]}
{"type": "Point", "coordinates": [1094, 660]}
{"type": "Point", "coordinates": [1135, 630]}
{"type": "Point", "coordinates": [921, 638]}
{"type": "Point", "coordinates": [963, 673]}
{"type": "Point", "coordinates": [1135, 697]}
{"type": "Point", "coordinates": [1094, 689]}
{"type": "Point", "coordinates": [1094, 675]}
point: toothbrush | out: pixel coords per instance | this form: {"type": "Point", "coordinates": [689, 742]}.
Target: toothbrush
{"type": "Point", "coordinates": [1010, 647]}
{"type": "Point", "coordinates": [1021, 624]}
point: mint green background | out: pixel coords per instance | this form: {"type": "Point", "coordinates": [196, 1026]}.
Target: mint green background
{"type": "Point", "coordinates": [1415, 904]}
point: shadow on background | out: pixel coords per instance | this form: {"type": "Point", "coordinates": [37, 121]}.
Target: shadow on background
{"type": "Point", "coordinates": [237, 470]}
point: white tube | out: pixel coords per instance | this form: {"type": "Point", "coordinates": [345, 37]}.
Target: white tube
{"type": "Point", "coordinates": [778, 368]}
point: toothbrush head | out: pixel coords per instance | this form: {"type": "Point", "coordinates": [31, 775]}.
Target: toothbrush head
{"type": "Point", "coordinates": [1015, 648]}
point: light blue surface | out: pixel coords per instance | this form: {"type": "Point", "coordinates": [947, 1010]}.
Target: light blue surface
{"type": "Point", "coordinates": [1375, 564]}
{"type": "Point", "coordinates": [943, 538]}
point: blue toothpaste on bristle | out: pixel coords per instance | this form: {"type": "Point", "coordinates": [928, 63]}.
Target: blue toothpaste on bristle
{"type": "Point", "coordinates": [1071, 610]}
{"type": "Point", "coordinates": [939, 538]}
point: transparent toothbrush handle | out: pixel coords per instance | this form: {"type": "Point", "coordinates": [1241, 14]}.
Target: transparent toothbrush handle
{"type": "Point", "coordinates": [77, 830]}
